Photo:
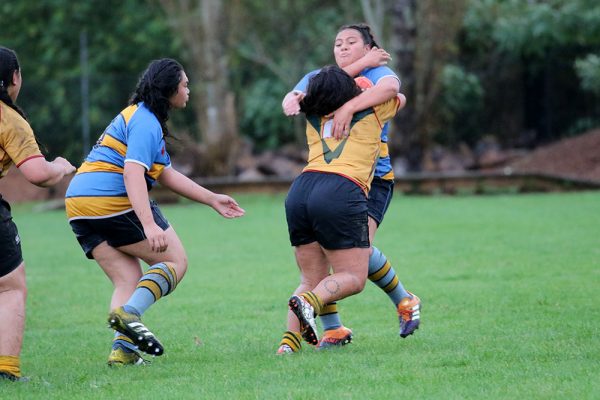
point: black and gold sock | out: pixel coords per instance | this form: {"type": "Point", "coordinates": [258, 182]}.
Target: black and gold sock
{"type": "Point", "coordinates": [11, 365]}
{"type": "Point", "coordinates": [292, 339]}
{"type": "Point", "coordinates": [314, 301]}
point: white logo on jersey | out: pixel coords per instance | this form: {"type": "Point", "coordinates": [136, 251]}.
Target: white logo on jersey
{"type": "Point", "coordinates": [326, 131]}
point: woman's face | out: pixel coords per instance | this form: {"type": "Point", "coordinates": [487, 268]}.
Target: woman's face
{"type": "Point", "coordinates": [182, 95]}
{"type": "Point", "coordinates": [348, 47]}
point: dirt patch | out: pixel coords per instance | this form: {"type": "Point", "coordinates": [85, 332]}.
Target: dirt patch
{"type": "Point", "coordinates": [577, 157]}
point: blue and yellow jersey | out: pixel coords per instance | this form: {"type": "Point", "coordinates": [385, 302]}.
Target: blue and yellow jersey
{"type": "Point", "coordinates": [354, 157]}
{"type": "Point", "coordinates": [383, 169]}
{"type": "Point", "coordinates": [17, 142]}
{"type": "Point", "coordinates": [98, 188]}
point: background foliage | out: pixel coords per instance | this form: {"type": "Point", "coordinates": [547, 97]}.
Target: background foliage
{"type": "Point", "coordinates": [525, 73]}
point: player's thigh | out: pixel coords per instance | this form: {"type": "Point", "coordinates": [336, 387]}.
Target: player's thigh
{"type": "Point", "coordinates": [121, 268]}
{"type": "Point", "coordinates": [354, 261]}
{"type": "Point", "coordinates": [175, 252]}
{"type": "Point", "coordinates": [312, 263]}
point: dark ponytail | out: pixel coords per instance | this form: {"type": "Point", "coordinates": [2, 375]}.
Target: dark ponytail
{"type": "Point", "coordinates": [9, 63]}
{"type": "Point", "coordinates": [365, 31]}
{"type": "Point", "coordinates": [156, 85]}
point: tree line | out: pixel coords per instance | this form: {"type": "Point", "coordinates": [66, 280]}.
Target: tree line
{"type": "Point", "coordinates": [522, 72]}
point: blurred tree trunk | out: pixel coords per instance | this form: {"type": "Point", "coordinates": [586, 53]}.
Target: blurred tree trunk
{"type": "Point", "coordinates": [424, 40]}
{"type": "Point", "coordinates": [403, 45]}
{"type": "Point", "coordinates": [203, 26]}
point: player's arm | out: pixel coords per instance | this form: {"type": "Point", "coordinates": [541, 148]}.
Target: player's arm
{"type": "Point", "coordinates": [137, 192]}
{"type": "Point", "coordinates": [385, 89]}
{"type": "Point", "coordinates": [41, 172]}
{"type": "Point", "coordinates": [184, 186]}
{"type": "Point", "coordinates": [374, 58]}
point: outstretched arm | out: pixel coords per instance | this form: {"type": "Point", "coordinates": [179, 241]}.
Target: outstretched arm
{"type": "Point", "coordinates": [184, 186]}
{"type": "Point", "coordinates": [45, 173]}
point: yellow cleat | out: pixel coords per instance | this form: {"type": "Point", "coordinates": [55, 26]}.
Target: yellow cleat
{"type": "Point", "coordinates": [120, 357]}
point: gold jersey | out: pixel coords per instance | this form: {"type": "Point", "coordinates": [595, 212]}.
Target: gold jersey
{"type": "Point", "coordinates": [17, 142]}
{"type": "Point", "coordinates": [354, 157]}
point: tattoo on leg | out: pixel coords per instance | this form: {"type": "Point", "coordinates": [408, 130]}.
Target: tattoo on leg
{"type": "Point", "coordinates": [332, 286]}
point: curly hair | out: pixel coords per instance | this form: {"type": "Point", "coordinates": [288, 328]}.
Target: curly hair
{"type": "Point", "coordinates": [328, 90]}
{"type": "Point", "coordinates": [156, 85]}
{"type": "Point", "coordinates": [9, 63]}
{"type": "Point", "coordinates": [364, 30]}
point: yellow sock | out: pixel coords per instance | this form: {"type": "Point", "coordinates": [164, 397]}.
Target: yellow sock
{"type": "Point", "coordinates": [314, 301]}
{"type": "Point", "coordinates": [292, 339]}
{"type": "Point", "coordinates": [11, 365]}
{"type": "Point", "coordinates": [330, 308]}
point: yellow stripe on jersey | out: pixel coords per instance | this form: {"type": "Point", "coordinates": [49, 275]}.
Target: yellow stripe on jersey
{"type": "Point", "coordinates": [114, 144]}
{"type": "Point", "coordinates": [128, 112]}
{"type": "Point", "coordinates": [384, 150]}
{"type": "Point", "coordinates": [155, 171]}
{"type": "Point", "coordinates": [389, 176]}
{"type": "Point", "coordinates": [99, 207]}
{"type": "Point", "coordinates": [99, 166]}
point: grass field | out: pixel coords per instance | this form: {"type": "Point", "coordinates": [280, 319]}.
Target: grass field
{"type": "Point", "coordinates": [510, 288]}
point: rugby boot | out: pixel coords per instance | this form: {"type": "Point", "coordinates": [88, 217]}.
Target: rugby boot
{"type": "Point", "coordinates": [119, 357]}
{"type": "Point", "coordinates": [131, 326]}
{"type": "Point", "coordinates": [306, 315]}
{"type": "Point", "coordinates": [409, 314]}
{"type": "Point", "coordinates": [335, 338]}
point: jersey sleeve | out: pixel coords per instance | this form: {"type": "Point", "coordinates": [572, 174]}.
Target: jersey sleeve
{"type": "Point", "coordinates": [378, 73]}
{"type": "Point", "coordinates": [144, 136]}
{"type": "Point", "coordinates": [19, 141]}
{"type": "Point", "coordinates": [387, 110]}
{"type": "Point", "coordinates": [302, 86]}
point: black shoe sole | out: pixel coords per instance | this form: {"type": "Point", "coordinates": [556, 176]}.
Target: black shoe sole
{"type": "Point", "coordinates": [150, 346]}
{"type": "Point", "coordinates": [306, 330]}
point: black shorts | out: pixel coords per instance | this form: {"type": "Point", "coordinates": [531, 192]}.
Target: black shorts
{"type": "Point", "coordinates": [328, 209]}
{"type": "Point", "coordinates": [10, 242]}
{"type": "Point", "coordinates": [380, 197]}
{"type": "Point", "coordinates": [117, 231]}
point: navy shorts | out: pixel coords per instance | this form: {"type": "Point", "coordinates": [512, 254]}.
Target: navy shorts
{"type": "Point", "coordinates": [380, 197]}
{"type": "Point", "coordinates": [328, 209]}
{"type": "Point", "coordinates": [10, 242]}
{"type": "Point", "coordinates": [117, 231]}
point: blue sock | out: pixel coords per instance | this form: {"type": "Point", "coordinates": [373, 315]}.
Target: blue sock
{"type": "Point", "coordinates": [158, 281]}
{"type": "Point", "coordinates": [383, 275]}
{"type": "Point", "coordinates": [330, 318]}
{"type": "Point", "coordinates": [123, 342]}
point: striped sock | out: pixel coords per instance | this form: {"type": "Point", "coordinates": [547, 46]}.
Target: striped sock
{"type": "Point", "coordinates": [123, 342]}
{"type": "Point", "coordinates": [330, 318]}
{"type": "Point", "coordinates": [292, 339]}
{"type": "Point", "coordinates": [314, 301]}
{"type": "Point", "coordinates": [158, 281]}
{"type": "Point", "coordinates": [11, 365]}
{"type": "Point", "coordinates": [383, 275]}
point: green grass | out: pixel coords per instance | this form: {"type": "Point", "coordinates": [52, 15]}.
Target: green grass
{"type": "Point", "coordinates": [510, 287]}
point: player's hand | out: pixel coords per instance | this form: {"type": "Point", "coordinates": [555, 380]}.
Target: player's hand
{"type": "Point", "coordinates": [342, 118]}
{"type": "Point", "coordinates": [67, 167]}
{"type": "Point", "coordinates": [227, 206]}
{"type": "Point", "coordinates": [377, 57]}
{"type": "Point", "coordinates": [291, 103]}
{"type": "Point", "coordinates": [157, 238]}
